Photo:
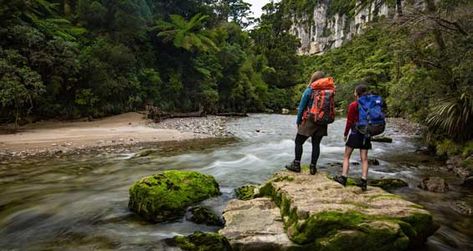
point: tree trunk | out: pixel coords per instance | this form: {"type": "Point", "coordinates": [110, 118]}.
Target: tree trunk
{"type": "Point", "coordinates": [399, 7]}
{"type": "Point", "coordinates": [431, 10]}
{"type": "Point", "coordinates": [67, 8]}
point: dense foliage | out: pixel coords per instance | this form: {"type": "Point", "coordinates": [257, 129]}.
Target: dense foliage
{"type": "Point", "coordinates": [74, 58]}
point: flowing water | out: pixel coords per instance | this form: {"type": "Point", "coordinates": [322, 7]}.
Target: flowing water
{"type": "Point", "coordinates": [80, 203]}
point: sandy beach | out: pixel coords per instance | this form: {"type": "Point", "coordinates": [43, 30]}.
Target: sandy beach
{"type": "Point", "coordinates": [46, 138]}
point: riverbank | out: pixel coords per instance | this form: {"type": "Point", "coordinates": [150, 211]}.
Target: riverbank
{"type": "Point", "coordinates": [112, 134]}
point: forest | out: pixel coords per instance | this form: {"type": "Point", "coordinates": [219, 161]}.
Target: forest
{"type": "Point", "coordinates": [92, 58]}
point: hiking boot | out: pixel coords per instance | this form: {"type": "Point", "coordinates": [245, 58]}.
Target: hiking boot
{"type": "Point", "coordinates": [295, 166]}
{"type": "Point", "coordinates": [341, 179]}
{"type": "Point", "coordinates": [363, 183]}
{"type": "Point", "coordinates": [313, 169]}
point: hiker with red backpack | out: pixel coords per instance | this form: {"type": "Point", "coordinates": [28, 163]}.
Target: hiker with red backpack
{"type": "Point", "coordinates": [316, 110]}
{"type": "Point", "coordinates": [364, 119]}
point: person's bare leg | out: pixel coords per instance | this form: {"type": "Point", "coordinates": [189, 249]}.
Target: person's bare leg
{"type": "Point", "coordinates": [364, 163]}
{"type": "Point", "coordinates": [346, 161]}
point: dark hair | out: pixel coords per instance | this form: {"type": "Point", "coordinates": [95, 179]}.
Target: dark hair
{"type": "Point", "coordinates": [361, 90]}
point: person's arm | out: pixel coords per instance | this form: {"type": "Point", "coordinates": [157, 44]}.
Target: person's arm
{"type": "Point", "coordinates": [351, 118]}
{"type": "Point", "coordinates": [303, 104]}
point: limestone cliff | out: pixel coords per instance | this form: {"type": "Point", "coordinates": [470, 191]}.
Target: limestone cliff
{"type": "Point", "coordinates": [326, 24]}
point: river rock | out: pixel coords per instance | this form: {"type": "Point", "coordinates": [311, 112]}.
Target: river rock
{"type": "Point", "coordinates": [463, 168]}
{"type": "Point", "coordinates": [247, 192]}
{"type": "Point", "coordinates": [434, 184]}
{"type": "Point", "coordinates": [382, 139]}
{"type": "Point", "coordinates": [204, 215]}
{"type": "Point", "coordinates": [320, 214]}
{"type": "Point", "coordinates": [254, 225]}
{"type": "Point", "coordinates": [165, 196]}
{"type": "Point", "coordinates": [462, 208]}
{"type": "Point", "coordinates": [388, 184]}
{"type": "Point", "coordinates": [468, 182]}
{"type": "Point", "coordinates": [199, 241]}
{"type": "Point", "coordinates": [373, 162]}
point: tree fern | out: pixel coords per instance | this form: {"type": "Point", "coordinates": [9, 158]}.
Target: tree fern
{"type": "Point", "coordinates": [453, 116]}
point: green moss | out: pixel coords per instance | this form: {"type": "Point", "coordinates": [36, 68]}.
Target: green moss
{"type": "Point", "coordinates": [384, 197]}
{"type": "Point", "coordinates": [246, 192]}
{"type": "Point", "coordinates": [323, 224]}
{"type": "Point", "coordinates": [467, 149]}
{"type": "Point", "coordinates": [199, 241]}
{"type": "Point", "coordinates": [379, 239]}
{"type": "Point", "coordinates": [283, 178]}
{"type": "Point", "coordinates": [164, 196]}
{"type": "Point", "coordinates": [204, 215]}
{"type": "Point", "coordinates": [448, 147]}
{"type": "Point", "coordinates": [388, 184]}
{"type": "Point", "coordinates": [421, 227]}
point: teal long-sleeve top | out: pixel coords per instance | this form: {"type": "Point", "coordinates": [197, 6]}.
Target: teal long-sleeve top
{"type": "Point", "coordinates": [305, 102]}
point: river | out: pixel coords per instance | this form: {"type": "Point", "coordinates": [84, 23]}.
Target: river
{"type": "Point", "coordinates": [80, 202]}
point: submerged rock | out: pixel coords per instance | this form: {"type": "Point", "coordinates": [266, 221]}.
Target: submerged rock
{"type": "Point", "coordinates": [204, 215]}
{"type": "Point", "coordinates": [434, 184]}
{"type": "Point", "coordinates": [165, 196]}
{"type": "Point", "coordinates": [388, 184]}
{"type": "Point", "coordinates": [468, 182]}
{"type": "Point", "coordinates": [382, 139]}
{"type": "Point", "coordinates": [462, 208]}
{"type": "Point", "coordinates": [320, 214]}
{"type": "Point", "coordinates": [373, 162]}
{"type": "Point", "coordinates": [247, 192]}
{"type": "Point", "coordinates": [463, 168]}
{"type": "Point", "coordinates": [199, 241]}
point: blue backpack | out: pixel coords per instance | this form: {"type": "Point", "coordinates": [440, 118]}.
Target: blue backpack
{"type": "Point", "coordinates": [371, 120]}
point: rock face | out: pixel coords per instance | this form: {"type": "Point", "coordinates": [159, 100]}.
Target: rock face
{"type": "Point", "coordinates": [330, 23]}
{"type": "Point", "coordinates": [434, 184]}
{"type": "Point", "coordinates": [165, 196]}
{"type": "Point", "coordinates": [320, 214]}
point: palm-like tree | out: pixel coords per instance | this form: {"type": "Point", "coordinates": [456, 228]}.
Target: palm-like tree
{"type": "Point", "coordinates": [189, 35]}
{"type": "Point", "coordinates": [453, 116]}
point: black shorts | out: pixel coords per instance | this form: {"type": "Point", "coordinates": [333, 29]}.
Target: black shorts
{"type": "Point", "coordinates": [358, 141]}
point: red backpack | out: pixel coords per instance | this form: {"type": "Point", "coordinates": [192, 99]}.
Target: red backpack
{"type": "Point", "coordinates": [322, 110]}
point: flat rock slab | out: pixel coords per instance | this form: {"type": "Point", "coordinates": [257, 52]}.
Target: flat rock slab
{"type": "Point", "coordinates": [317, 213]}
{"type": "Point", "coordinates": [255, 225]}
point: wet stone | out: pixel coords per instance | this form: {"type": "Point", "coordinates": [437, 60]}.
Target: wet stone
{"type": "Point", "coordinates": [434, 184]}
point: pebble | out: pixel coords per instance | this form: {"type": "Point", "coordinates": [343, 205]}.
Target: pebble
{"type": "Point", "coordinates": [210, 125]}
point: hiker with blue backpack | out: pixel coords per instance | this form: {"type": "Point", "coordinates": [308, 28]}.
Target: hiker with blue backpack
{"type": "Point", "coordinates": [364, 120]}
{"type": "Point", "coordinates": [316, 110]}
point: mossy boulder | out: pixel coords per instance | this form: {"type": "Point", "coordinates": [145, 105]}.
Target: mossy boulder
{"type": "Point", "coordinates": [204, 215]}
{"type": "Point", "coordinates": [316, 210]}
{"type": "Point", "coordinates": [200, 241]}
{"type": "Point", "coordinates": [388, 184]}
{"type": "Point", "coordinates": [165, 196]}
{"type": "Point", "coordinates": [247, 192]}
